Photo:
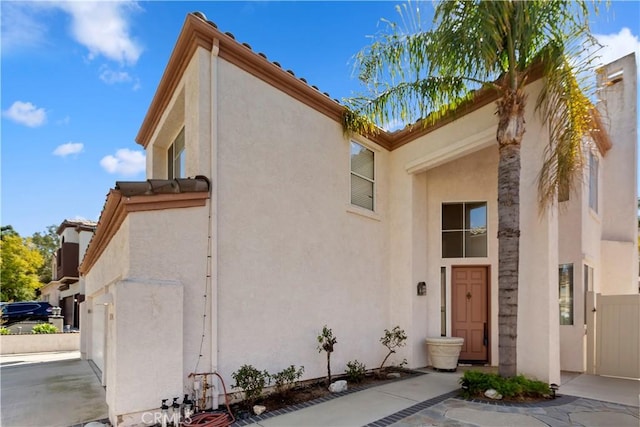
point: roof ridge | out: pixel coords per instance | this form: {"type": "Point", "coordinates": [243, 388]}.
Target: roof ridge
{"type": "Point", "coordinates": [203, 17]}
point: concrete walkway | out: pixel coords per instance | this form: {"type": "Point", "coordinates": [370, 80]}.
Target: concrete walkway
{"type": "Point", "coordinates": [49, 390]}
{"type": "Point", "coordinates": [430, 400]}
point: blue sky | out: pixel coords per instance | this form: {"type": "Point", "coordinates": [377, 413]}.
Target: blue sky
{"type": "Point", "coordinates": [78, 77]}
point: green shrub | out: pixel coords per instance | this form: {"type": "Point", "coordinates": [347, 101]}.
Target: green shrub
{"type": "Point", "coordinates": [44, 328]}
{"type": "Point", "coordinates": [5, 331]}
{"type": "Point", "coordinates": [355, 371]}
{"type": "Point", "coordinates": [475, 383]}
{"type": "Point", "coordinates": [251, 381]}
{"type": "Point", "coordinates": [286, 379]}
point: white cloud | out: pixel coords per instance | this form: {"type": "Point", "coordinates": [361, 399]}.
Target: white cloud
{"type": "Point", "coordinates": [125, 162]}
{"type": "Point", "coordinates": [110, 77]}
{"type": "Point", "coordinates": [68, 148]}
{"type": "Point", "coordinates": [19, 28]}
{"type": "Point", "coordinates": [65, 121]}
{"type": "Point", "coordinates": [617, 45]}
{"type": "Point", "coordinates": [103, 28]}
{"type": "Point", "coordinates": [26, 114]}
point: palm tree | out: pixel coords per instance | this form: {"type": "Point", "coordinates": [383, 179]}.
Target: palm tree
{"type": "Point", "coordinates": [495, 46]}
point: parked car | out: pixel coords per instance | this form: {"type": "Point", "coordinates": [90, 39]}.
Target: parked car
{"type": "Point", "coordinates": [26, 310]}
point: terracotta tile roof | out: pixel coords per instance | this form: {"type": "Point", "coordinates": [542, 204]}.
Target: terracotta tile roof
{"type": "Point", "coordinates": [139, 196]}
{"type": "Point", "coordinates": [202, 16]}
{"type": "Point", "coordinates": [80, 224]}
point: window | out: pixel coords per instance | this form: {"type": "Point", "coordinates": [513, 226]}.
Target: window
{"type": "Point", "coordinates": [362, 176]}
{"type": "Point", "coordinates": [464, 230]}
{"type": "Point", "coordinates": [176, 157]}
{"type": "Point", "coordinates": [566, 294]}
{"type": "Point", "coordinates": [443, 301]}
{"type": "Point", "coordinates": [588, 286]}
{"type": "Point", "coordinates": [593, 182]}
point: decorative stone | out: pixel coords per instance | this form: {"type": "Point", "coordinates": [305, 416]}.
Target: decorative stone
{"type": "Point", "coordinates": [493, 394]}
{"type": "Point", "coordinates": [338, 386]}
{"type": "Point", "coordinates": [393, 375]}
{"type": "Point", "coordinates": [259, 409]}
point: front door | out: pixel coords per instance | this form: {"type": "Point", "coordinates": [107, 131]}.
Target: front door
{"type": "Point", "coordinates": [470, 309]}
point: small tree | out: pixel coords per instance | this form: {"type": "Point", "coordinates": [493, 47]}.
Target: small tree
{"type": "Point", "coordinates": [326, 341]}
{"type": "Point", "coordinates": [392, 340]}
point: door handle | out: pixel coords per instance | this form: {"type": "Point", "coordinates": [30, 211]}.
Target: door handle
{"type": "Point", "coordinates": [485, 339]}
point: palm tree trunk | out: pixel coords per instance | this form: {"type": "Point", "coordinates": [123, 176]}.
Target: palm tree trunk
{"type": "Point", "coordinates": [509, 135]}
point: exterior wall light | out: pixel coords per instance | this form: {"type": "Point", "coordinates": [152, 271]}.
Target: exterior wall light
{"type": "Point", "coordinates": [554, 388]}
{"type": "Point", "coordinates": [422, 288]}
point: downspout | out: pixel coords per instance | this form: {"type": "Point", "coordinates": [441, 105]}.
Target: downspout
{"type": "Point", "coordinates": [213, 210]}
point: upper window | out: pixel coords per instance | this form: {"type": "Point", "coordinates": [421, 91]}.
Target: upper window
{"type": "Point", "coordinates": [593, 182]}
{"type": "Point", "coordinates": [566, 293]}
{"type": "Point", "coordinates": [464, 230]}
{"type": "Point", "coordinates": [175, 157]}
{"type": "Point", "coordinates": [362, 176]}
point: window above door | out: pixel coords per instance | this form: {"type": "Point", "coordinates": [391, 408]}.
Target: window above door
{"type": "Point", "coordinates": [464, 230]}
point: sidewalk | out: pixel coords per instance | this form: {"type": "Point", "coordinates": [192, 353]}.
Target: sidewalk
{"type": "Point", "coordinates": [430, 400]}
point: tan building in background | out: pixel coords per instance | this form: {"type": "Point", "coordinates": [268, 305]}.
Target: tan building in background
{"type": "Point", "coordinates": [66, 290]}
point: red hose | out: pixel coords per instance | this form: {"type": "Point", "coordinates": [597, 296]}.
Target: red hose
{"type": "Point", "coordinates": [218, 419]}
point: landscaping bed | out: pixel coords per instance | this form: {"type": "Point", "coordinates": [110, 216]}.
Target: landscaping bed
{"type": "Point", "coordinates": [310, 391]}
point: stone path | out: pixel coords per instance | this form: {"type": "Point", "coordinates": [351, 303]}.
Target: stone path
{"type": "Point", "coordinates": [566, 411]}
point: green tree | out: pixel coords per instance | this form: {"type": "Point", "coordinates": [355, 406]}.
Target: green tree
{"type": "Point", "coordinates": [19, 265]}
{"type": "Point", "coordinates": [47, 243]}
{"type": "Point", "coordinates": [413, 74]}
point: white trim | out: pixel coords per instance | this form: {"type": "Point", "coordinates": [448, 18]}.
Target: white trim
{"type": "Point", "coordinates": [452, 151]}
{"type": "Point", "coordinates": [376, 165]}
{"type": "Point", "coordinates": [355, 209]}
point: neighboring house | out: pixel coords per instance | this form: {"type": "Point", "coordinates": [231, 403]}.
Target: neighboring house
{"type": "Point", "coordinates": [66, 290]}
{"type": "Point", "coordinates": [297, 225]}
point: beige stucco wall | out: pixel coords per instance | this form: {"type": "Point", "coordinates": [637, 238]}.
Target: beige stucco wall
{"type": "Point", "coordinates": [172, 245]}
{"type": "Point", "coordinates": [471, 178]}
{"type": "Point", "coordinates": [446, 184]}
{"type": "Point", "coordinates": [619, 179]}
{"type": "Point", "coordinates": [38, 343]}
{"type": "Point", "coordinates": [293, 254]}
{"type": "Point", "coordinates": [577, 245]}
{"type": "Point", "coordinates": [84, 237]}
{"type": "Point", "coordinates": [289, 254]}
{"type": "Point", "coordinates": [70, 235]}
{"type": "Point", "coordinates": [153, 271]}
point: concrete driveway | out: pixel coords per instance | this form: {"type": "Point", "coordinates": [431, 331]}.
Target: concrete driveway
{"type": "Point", "coordinates": [49, 390]}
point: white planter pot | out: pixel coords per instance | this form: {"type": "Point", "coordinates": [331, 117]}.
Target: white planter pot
{"type": "Point", "coordinates": [444, 352]}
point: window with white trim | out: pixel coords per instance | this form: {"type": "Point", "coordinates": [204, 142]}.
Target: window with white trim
{"type": "Point", "coordinates": [362, 176]}
{"type": "Point", "coordinates": [593, 182]}
{"type": "Point", "coordinates": [464, 230]}
{"type": "Point", "coordinates": [176, 157]}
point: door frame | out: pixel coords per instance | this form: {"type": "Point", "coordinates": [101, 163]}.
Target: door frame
{"type": "Point", "coordinates": [487, 268]}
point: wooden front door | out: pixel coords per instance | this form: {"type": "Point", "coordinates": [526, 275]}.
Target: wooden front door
{"type": "Point", "coordinates": [470, 311]}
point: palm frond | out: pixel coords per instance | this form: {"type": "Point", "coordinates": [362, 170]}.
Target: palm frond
{"type": "Point", "coordinates": [426, 99]}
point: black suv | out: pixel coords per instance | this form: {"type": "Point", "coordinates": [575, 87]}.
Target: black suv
{"type": "Point", "coordinates": [27, 310]}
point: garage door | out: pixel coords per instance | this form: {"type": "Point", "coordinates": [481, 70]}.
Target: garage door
{"type": "Point", "coordinates": [98, 335]}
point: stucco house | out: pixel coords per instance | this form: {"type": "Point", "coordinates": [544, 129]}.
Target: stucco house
{"type": "Point", "coordinates": [66, 289]}
{"type": "Point", "coordinates": [287, 225]}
